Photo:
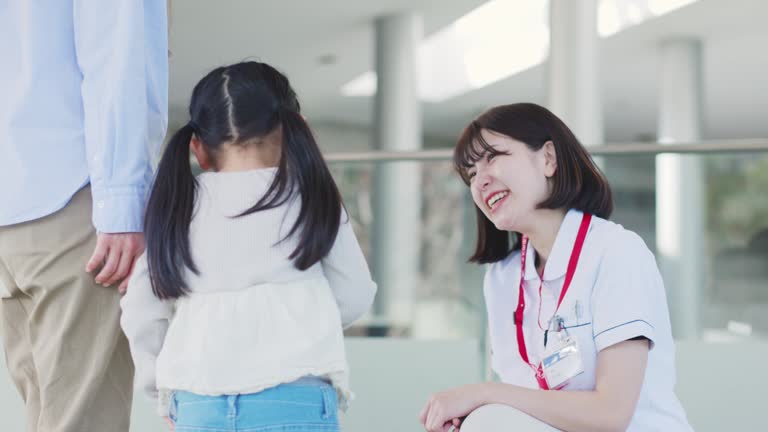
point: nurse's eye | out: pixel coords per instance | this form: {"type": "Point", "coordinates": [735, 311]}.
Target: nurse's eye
{"type": "Point", "coordinates": [490, 156]}
{"type": "Point", "coordinates": [471, 175]}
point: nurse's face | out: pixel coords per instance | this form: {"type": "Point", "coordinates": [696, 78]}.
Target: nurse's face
{"type": "Point", "coordinates": [508, 186]}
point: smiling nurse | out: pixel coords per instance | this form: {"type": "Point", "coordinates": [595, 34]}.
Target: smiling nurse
{"type": "Point", "coordinates": [579, 324]}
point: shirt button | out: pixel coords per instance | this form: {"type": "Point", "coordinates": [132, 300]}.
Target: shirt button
{"type": "Point", "coordinates": [100, 204]}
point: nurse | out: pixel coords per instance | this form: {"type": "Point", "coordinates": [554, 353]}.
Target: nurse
{"type": "Point", "coordinates": [579, 324]}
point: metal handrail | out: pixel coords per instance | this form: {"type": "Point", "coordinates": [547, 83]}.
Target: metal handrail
{"type": "Point", "coordinates": [704, 147]}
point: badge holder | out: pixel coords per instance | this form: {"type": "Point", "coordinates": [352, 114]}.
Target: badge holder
{"type": "Point", "coordinates": [562, 358]}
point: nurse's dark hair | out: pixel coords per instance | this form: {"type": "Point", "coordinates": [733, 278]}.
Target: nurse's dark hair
{"type": "Point", "coordinates": [578, 182]}
{"type": "Point", "coordinates": [240, 104]}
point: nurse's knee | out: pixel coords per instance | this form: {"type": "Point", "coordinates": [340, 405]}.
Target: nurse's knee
{"type": "Point", "coordinates": [502, 418]}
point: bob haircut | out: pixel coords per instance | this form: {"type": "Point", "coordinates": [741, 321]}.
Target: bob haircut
{"type": "Point", "coordinates": [578, 183]}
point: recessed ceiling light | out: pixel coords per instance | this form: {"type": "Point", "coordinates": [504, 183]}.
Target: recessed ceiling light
{"type": "Point", "coordinates": [327, 59]}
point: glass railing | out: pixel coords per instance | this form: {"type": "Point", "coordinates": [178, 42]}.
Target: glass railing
{"type": "Point", "coordinates": [444, 296]}
{"type": "Point", "coordinates": [428, 291]}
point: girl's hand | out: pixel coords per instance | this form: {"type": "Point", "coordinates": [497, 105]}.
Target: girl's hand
{"type": "Point", "coordinates": [446, 409]}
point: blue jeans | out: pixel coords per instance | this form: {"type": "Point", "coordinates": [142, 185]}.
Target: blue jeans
{"type": "Point", "coordinates": [308, 404]}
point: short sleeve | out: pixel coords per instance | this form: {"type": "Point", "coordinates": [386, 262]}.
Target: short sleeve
{"type": "Point", "coordinates": [628, 296]}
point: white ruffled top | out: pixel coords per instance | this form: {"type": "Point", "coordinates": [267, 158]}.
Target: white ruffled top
{"type": "Point", "coordinates": [252, 320]}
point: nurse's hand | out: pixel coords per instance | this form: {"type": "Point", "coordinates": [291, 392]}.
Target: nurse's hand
{"type": "Point", "coordinates": [457, 423]}
{"type": "Point", "coordinates": [444, 409]}
{"type": "Point", "coordinates": [170, 423]}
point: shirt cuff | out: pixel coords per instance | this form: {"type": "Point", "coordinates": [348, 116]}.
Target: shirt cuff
{"type": "Point", "coordinates": [119, 210]}
{"type": "Point", "coordinates": [626, 331]}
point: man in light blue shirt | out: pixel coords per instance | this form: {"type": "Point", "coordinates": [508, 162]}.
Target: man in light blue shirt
{"type": "Point", "coordinates": [83, 111]}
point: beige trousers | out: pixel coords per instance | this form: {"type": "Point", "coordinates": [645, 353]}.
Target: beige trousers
{"type": "Point", "coordinates": [60, 330]}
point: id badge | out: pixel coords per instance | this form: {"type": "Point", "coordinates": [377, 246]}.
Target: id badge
{"type": "Point", "coordinates": [562, 362]}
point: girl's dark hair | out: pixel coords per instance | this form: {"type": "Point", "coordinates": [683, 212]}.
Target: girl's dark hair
{"type": "Point", "coordinates": [578, 182]}
{"type": "Point", "coordinates": [238, 104]}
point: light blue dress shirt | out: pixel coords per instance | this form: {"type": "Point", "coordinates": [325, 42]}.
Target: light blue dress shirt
{"type": "Point", "coordinates": [83, 99]}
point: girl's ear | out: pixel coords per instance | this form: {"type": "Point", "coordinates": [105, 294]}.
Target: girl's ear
{"type": "Point", "coordinates": [200, 154]}
{"type": "Point", "coordinates": [550, 159]}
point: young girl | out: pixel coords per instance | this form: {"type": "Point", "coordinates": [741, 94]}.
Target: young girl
{"type": "Point", "coordinates": [575, 302]}
{"type": "Point", "coordinates": [235, 312]}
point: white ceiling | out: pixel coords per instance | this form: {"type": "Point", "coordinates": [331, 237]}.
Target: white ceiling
{"type": "Point", "coordinates": [291, 35]}
{"type": "Point", "coordinates": [294, 34]}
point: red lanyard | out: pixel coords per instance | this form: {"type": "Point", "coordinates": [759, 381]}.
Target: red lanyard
{"type": "Point", "coordinates": [575, 253]}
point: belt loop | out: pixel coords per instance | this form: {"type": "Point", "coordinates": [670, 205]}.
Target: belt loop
{"type": "Point", "coordinates": [232, 403]}
{"type": "Point", "coordinates": [172, 407]}
{"type": "Point", "coordinates": [327, 403]}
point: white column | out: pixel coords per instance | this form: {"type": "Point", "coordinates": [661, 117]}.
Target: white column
{"type": "Point", "coordinates": [680, 198]}
{"type": "Point", "coordinates": [574, 81]}
{"type": "Point", "coordinates": [397, 186]}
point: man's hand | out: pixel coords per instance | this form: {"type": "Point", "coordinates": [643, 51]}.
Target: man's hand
{"type": "Point", "coordinates": [115, 254]}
